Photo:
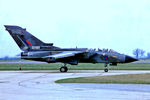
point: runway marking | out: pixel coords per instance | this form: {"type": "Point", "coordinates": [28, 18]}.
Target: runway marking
{"type": "Point", "coordinates": [21, 83]}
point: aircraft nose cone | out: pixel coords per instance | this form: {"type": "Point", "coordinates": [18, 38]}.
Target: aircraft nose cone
{"type": "Point", "coordinates": [129, 59]}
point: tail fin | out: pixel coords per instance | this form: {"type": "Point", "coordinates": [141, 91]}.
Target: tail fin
{"type": "Point", "coordinates": [24, 39]}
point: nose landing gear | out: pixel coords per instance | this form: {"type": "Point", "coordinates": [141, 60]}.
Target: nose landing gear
{"type": "Point", "coordinates": [64, 68]}
{"type": "Point", "coordinates": [106, 67]}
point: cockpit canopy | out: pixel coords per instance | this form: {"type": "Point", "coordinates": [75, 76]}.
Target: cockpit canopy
{"type": "Point", "coordinates": [107, 50]}
{"type": "Point", "coordinates": [104, 50]}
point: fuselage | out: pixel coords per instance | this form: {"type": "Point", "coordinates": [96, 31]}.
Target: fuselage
{"type": "Point", "coordinates": [89, 56]}
{"type": "Point", "coordinates": [35, 49]}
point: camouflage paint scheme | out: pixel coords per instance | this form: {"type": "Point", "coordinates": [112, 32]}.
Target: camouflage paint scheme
{"type": "Point", "coordinates": [35, 49]}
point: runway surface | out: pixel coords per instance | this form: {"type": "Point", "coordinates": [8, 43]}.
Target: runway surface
{"type": "Point", "coordinates": [40, 85]}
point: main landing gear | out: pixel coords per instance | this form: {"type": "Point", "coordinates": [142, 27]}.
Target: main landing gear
{"type": "Point", "coordinates": [64, 68]}
{"type": "Point", "coordinates": [106, 67]}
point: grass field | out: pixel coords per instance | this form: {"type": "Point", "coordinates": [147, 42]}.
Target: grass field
{"type": "Point", "coordinates": [82, 66]}
{"type": "Point", "coordinates": [117, 79]}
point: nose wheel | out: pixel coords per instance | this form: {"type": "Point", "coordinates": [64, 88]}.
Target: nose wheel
{"type": "Point", "coordinates": [106, 68]}
{"type": "Point", "coordinates": [64, 68]}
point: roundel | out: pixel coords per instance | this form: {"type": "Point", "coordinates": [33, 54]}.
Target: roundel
{"type": "Point", "coordinates": [106, 57]}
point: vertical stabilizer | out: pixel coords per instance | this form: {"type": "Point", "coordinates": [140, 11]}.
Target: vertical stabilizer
{"type": "Point", "coordinates": [24, 39]}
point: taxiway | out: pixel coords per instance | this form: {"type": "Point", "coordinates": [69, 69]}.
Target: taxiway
{"type": "Point", "coordinates": [40, 85]}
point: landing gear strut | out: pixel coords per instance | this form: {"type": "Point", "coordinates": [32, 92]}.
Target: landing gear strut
{"type": "Point", "coordinates": [64, 68]}
{"type": "Point", "coordinates": [106, 67]}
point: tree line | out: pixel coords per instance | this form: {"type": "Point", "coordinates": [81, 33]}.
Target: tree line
{"type": "Point", "coordinates": [140, 53]}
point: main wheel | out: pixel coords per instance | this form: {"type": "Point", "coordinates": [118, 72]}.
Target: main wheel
{"type": "Point", "coordinates": [63, 69]}
{"type": "Point", "coordinates": [105, 70]}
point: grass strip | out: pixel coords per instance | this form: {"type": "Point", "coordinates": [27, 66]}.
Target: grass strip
{"type": "Point", "coordinates": [115, 79]}
{"type": "Point", "coordinates": [80, 66]}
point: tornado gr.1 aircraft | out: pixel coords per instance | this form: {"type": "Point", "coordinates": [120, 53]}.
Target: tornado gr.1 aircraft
{"type": "Point", "coordinates": [35, 49]}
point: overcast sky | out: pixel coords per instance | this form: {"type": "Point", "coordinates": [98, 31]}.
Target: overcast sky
{"type": "Point", "coordinates": [122, 25]}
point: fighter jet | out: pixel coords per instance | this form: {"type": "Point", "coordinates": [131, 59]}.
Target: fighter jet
{"type": "Point", "coordinates": [34, 49]}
